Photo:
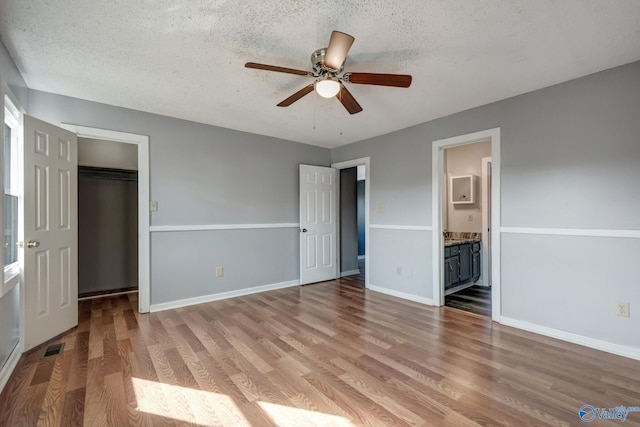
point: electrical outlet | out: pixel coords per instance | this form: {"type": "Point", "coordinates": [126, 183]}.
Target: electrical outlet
{"type": "Point", "coordinates": [398, 271]}
{"type": "Point", "coordinates": [380, 207]}
{"type": "Point", "coordinates": [219, 271]}
{"type": "Point", "coordinates": [153, 206]}
{"type": "Point", "coordinates": [470, 217]}
{"type": "Point", "coordinates": [622, 309]}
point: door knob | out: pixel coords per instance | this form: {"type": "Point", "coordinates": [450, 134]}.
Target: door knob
{"type": "Point", "coordinates": [33, 244]}
{"type": "Point", "coordinates": [304, 230]}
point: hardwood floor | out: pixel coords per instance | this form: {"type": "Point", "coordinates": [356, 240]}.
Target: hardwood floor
{"type": "Point", "coordinates": [327, 354]}
{"type": "Point", "coordinates": [356, 280]}
{"type": "Point", "coordinates": [474, 299]}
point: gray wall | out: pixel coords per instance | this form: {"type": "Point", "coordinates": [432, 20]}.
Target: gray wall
{"type": "Point", "coordinates": [348, 220]}
{"type": "Point", "coordinates": [205, 175]}
{"type": "Point", "coordinates": [570, 159]}
{"type": "Point", "coordinates": [13, 78]}
{"type": "Point", "coordinates": [9, 323]}
{"type": "Point", "coordinates": [183, 263]}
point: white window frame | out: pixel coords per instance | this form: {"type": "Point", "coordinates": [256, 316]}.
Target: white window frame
{"type": "Point", "coordinates": [11, 115]}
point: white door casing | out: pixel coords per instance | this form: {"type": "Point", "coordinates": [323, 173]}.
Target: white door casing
{"type": "Point", "coordinates": [366, 162]}
{"type": "Point", "coordinates": [486, 222]}
{"type": "Point", "coordinates": [144, 250]}
{"type": "Point", "coordinates": [49, 265]}
{"type": "Point", "coordinates": [318, 224]}
{"type": "Point", "coordinates": [437, 198]}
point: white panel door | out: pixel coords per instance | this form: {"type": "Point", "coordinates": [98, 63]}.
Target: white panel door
{"type": "Point", "coordinates": [50, 259]}
{"type": "Point", "coordinates": [318, 224]}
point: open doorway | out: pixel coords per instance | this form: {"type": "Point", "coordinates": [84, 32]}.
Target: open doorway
{"type": "Point", "coordinates": [352, 226]}
{"type": "Point", "coordinates": [358, 173]}
{"type": "Point", "coordinates": [466, 247]}
{"type": "Point", "coordinates": [144, 253]}
{"type": "Point", "coordinates": [107, 218]}
{"type": "Point", "coordinates": [442, 191]}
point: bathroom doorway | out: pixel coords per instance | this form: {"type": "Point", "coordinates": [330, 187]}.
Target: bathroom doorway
{"type": "Point", "coordinates": [465, 286]}
{"type": "Point", "coordinates": [460, 203]}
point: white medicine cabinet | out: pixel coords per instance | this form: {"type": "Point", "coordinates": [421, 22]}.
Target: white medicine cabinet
{"type": "Point", "coordinates": [462, 189]}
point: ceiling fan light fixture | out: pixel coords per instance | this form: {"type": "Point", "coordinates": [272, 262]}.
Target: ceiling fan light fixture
{"type": "Point", "coordinates": [327, 88]}
{"type": "Point", "coordinates": [327, 71]}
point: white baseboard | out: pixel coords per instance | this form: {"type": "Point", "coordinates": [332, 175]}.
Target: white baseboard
{"type": "Point", "coordinates": [208, 227]}
{"type": "Point", "coordinates": [402, 227]}
{"type": "Point", "coordinates": [403, 295]}
{"type": "Point", "coordinates": [349, 273]}
{"type": "Point", "coordinates": [115, 294]}
{"type": "Point", "coordinates": [590, 232]}
{"type": "Point", "coordinates": [620, 350]}
{"type": "Point", "coordinates": [223, 295]}
{"type": "Point", "coordinates": [9, 366]}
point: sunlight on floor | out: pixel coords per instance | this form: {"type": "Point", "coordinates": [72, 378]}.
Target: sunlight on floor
{"type": "Point", "coordinates": [207, 408]}
{"type": "Point", "coordinates": [186, 404]}
{"type": "Point", "coordinates": [288, 416]}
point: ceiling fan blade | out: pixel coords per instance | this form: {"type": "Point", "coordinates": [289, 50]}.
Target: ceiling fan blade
{"type": "Point", "coordinates": [296, 96]}
{"type": "Point", "coordinates": [348, 101]}
{"type": "Point", "coordinates": [339, 46]}
{"type": "Point", "coordinates": [395, 80]}
{"type": "Point", "coordinates": [276, 68]}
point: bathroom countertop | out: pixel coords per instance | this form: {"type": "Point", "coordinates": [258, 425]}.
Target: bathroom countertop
{"type": "Point", "coordinates": [450, 242]}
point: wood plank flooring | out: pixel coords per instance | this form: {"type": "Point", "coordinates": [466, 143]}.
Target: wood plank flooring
{"type": "Point", "coordinates": [356, 280]}
{"type": "Point", "coordinates": [327, 354]}
{"type": "Point", "coordinates": [474, 299]}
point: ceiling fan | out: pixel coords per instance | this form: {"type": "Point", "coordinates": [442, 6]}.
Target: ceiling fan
{"type": "Point", "coordinates": [328, 64]}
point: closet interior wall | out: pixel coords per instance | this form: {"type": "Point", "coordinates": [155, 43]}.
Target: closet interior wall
{"type": "Point", "coordinates": [107, 230]}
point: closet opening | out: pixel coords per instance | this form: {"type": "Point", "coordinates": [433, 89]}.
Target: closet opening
{"type": "Point", "coordinates": [107, 218]}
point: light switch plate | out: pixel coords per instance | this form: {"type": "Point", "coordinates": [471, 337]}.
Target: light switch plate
{"type": "Point", "coordinates": [153, 206]}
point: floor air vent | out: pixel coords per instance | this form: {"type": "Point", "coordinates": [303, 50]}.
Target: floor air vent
{"type": "Point", "coordinates": [53, 350]}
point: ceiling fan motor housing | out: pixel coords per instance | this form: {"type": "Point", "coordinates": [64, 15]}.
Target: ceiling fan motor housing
{"type": "Point", "coordinates": [317, 62]}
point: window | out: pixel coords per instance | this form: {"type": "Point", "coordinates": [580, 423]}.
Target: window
{"type": "Point", "coordinates": [10, 196]}
{"type": "Point", "coordinates": [12, 130]}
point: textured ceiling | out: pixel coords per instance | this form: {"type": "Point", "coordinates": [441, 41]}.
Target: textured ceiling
{"type": "Point", "coordinates": [185, 58]}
